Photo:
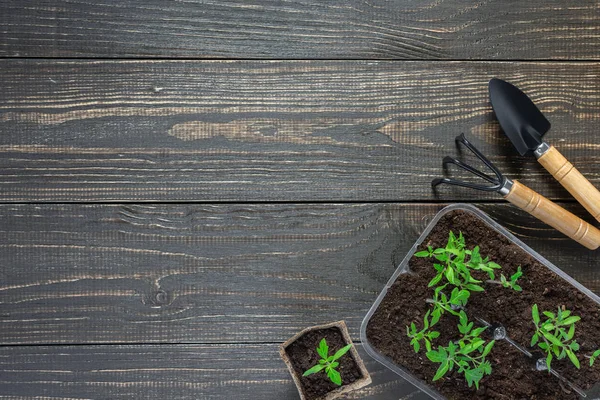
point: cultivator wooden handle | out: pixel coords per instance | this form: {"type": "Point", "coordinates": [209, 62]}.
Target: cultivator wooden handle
{"type": "Point", "coordinates": [523, 197]}
{"type": "Point", "coordinates": [572, 180]}
{"type": "Point", "coordinates": [554, 215]}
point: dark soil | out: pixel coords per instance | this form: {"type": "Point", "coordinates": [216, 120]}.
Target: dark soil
{"type": "Point", "coordinates": [513, 375]}
{"type": "Point", "coordinates": [303, 355]}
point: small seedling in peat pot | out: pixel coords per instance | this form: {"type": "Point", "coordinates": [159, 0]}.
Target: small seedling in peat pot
{"type": "Point", "coordinates": [468, 355]}
{"type": "Point", "coordinates": [509, 283]}
{"type": "Point", "coordinates": [328, 363]}
{"type": "Point", "coordinates": [555, 334]}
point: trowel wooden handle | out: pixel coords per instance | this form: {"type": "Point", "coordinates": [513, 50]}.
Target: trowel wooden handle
{"type": "Point", "coordinates": [568, 176]}
{"type": "Point", "coordinates": [554, 215]}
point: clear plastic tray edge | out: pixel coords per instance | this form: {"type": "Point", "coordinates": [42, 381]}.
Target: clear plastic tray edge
{"type": "Point", "coordinates": [422, 385]}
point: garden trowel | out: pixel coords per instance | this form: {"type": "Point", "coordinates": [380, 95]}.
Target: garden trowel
{"type": "Point", "coordinates": [525, 126]}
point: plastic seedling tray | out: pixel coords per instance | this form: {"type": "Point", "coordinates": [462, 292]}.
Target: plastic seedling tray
{"type": "Point", "coordinates": [593, 393]}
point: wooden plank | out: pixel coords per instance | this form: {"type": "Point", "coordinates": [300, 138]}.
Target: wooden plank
{"type": "Point", "coordinates": [215, 273]}
{"type": "Point", "coordinates": [457, 29]}
{"type": "Point", "coordinates": [263, 131]}
{"type": "Point", "coordinates": [245, 372]}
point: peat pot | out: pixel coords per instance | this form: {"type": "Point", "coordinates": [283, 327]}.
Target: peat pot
{"type": "Point", "coordinates": [300, 354]}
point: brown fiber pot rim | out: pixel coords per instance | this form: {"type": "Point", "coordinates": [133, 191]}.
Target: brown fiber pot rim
{"type": "Point", "coordinates": [334, 394]}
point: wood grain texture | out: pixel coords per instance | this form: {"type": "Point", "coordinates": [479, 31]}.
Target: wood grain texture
{"type": "Point", "coordinates": [263, 131]}
{"type": "Point", "coordinates": [374, 29]}
{"type": "Point", "coordinates": [216, 273]}
{"type": "Point", "coordinates": [202, 372]}
{"type": "Point", "coordinates": [572, 180]}
{"type": "Point", "coordinates": [554, 215]}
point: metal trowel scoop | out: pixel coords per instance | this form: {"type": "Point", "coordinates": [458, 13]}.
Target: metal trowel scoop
{"type": "Point", "coordinates": [525, 126]}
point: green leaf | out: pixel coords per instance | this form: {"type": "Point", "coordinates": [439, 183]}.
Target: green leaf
{"type": "Point", "coordinates": [435, 316]}
{"type": "Point", "coordinates": [548, 326]}
{"type": "Point", "coordinates": [426, 321]}
{"type": "Point", "coordinates": [477, 343]}
{"type": "Point", "coordinates": [433, 334]}
{"type": "Point", "coordinates": [441, 257]}
{"type": "Point", "coordinates": [474, 288]}
{"type": "Point", "coordinates": [335, 377]}
{"type": "Point", "coordinates": [555, 348]}
{"type": "Point", "coordinates": [435, 356]}
{"type": "Point", "coordinates": [423, 253]}
{"type": "Point", "coordinates": [441, 371]}
{"type": "Point", "coordinates": [594, 356]}
{"type": "Point", "coordinates": [517, 288]}
{"type": "Point", "coordinates": [438, 267]}
{"type": "Point", "coordinates": [437, 291]}
{"type": "Point", "coordinates": [450, 275]}
{"type": "Point", "coordinates": [467, 349]}
{"type": "Point", "coordinates": [342, 351]}
{"type": "Point", "coordinates": [493, 265]}
{"type": "Point", "coordinates": [516, 275]}
{"type": "Point", "coordinates": [487, 367]}
{"type": "Point", "coordinates": [334, 364]}
{"type": "Point", "coordinates": [451, 349]}
{"type": "Point", "coordinates": [469, 327]}
{"type": "Point", "coordinates": [436, 279]}
{"type": "Point", "coordinates": [573, 358]}
{"type": "Point", "coordinates": [570, 320]}
{"type": "Point", "coordinates": [574, 346]}
{"type": "Point", "coordinates": [549, 314]}
{"type": "Point", "coordinates": [416, 346]}
{"type": "Point", "coordinates": [477, 331]}
{"type": "Point", "coordinates": [473, 376]}
{"type": "Point", "coordinates": [535, 314]}
{"type": "Point", "coordinates": [454, 252]}
{"type": "Point", "coordinates": [488, 347]}
{"type": "Point", "coordinates": [461, 297]}
{"type": "Point", "coordinates": [413, 327]}
{"type": "Point", "coordinates": [461, 239]}
{"type": "Point", "coordinates": [323, 349]}
{"type": "Point", "coordinates": [475, 256]}
{"type": "Point", "coordinates": [314, 370]}
{"type": "Point", "coordinates": [571, 332]}
{"type": "Point", "coordinates": [552, 339]}
{"type": "Point", "coordinates": [427, 344]}
{"type": "Point", "coordinates": [451, 238]}
{"type": "Point", "coordinates": [534, 339]}
{"type": "Point", "coordinates": [548, 360]}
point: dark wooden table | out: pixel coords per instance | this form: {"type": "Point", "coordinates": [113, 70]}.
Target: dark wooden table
{"type": "Point", "coordinates": [186, 184]}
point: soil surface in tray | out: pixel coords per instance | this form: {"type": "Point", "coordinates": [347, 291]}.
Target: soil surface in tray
{"type": "Point", "coordinates": [303, 355]}
{"type": "Point", "coordinates": [513, 375]}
